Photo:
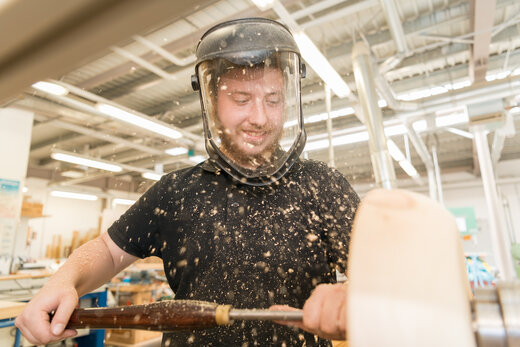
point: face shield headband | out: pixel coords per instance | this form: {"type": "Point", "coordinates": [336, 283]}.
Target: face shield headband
{"type": "Point", "coordinates": [252, 116]}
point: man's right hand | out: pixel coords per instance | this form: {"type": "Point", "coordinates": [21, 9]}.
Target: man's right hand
{"type": "Point", "coordinates": [34, 321]}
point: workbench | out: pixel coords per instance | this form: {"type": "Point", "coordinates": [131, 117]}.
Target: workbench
{"type": "Point", "coordinates": [8, 312]}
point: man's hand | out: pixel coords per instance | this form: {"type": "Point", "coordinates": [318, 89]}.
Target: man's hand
{"type": "Point", "coordinates": [324, 313]}
{"type": "Point", "coordinates": [34, 322]}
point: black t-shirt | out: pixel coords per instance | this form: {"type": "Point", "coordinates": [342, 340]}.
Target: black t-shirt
{"type": "Point", "coordinates": [249, 247]}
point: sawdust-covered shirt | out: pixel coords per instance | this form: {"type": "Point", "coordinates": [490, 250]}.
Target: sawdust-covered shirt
{"type": "Point", "coordinates": [246, 246]}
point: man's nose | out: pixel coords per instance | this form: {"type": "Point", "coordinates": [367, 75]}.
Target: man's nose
{"type": "Point", "coordinates": [258, 115]}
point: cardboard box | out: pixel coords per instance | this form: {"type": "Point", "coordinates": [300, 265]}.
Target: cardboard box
{"type": "Point", "coordinates": [32, 209]}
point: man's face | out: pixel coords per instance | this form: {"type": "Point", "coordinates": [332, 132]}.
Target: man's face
{"type": "Point", "coordinates": [250, 113]}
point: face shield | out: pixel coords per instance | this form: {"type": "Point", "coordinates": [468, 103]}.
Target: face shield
{"type": "Point", "coordinates": [252, 113]}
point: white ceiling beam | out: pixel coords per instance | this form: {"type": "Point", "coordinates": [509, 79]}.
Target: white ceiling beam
{"type": "Point", "coordinates": [483, 15]}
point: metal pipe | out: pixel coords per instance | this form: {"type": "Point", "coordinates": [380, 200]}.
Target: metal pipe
{"type": "Point", "coordinates": [381, 161]}
{"type": "Point", "coordinates": [388, 94]}
{"type": "Point", "coordinates": [427, 159]}
{"type": "Point", "coordinates": [394, 23]}
{"type": "Point", "coordinates": [437, 171]}
{"type": "Point", "coordinates": [498, 231]}
{"type": "Point", "coordinates": [329, 125]}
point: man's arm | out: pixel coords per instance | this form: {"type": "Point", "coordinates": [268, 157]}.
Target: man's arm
{"type": "Point", "coordinates": [87, 268]}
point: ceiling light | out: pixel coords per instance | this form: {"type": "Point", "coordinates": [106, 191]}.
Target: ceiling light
{"type": "Point", "coordinates": [86, 161]}
{"type": "Point", "coordinates": [420, 125]}
{"type": "Point", "coordinates": [197, 159]}
{"type": "Point", "coordinates": [395, 152]}
{"type": "Point", "coordinates": [152, 176]}
{"type": "Point", "coordinates": [148, 124]}
{"type": "Point", "coordinates": [408, 168]}
{"type": "Point", "coordinates": [50, 88]}
{"type": "Point", "coordinates": [451, 119]}
{"type": "Point", "coordinates": [395, 130]}
{"type": "Point", "coordinates": [321, 116]}
{"type": "Point", "coordinates": [350, 138]}
{"type": "Point", "coordinates": [25, 189]}
{"type": "Point", "coordinates": [70, 195]}
{"type": "Point", "coordinates": [460, 132]}
{"type": "Point", "coordinates": [125, 202]}
{"type": "Point", "coordinates": [263, 4]}
{"type": "Point", "coordinates": [315, 145]}
{"type": "Point", "coordinates": [321, 65]}
{"type": "Point", "coordinates": [176, 151]}
{"type": "Point", "coordinates": [72, 174]}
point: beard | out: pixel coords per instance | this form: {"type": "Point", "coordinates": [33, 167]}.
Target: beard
{"type": "Point", "coordinates": [264, 158]}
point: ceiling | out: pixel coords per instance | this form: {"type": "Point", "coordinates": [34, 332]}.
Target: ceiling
{"type": "Point", "coordinates": [437, 57]}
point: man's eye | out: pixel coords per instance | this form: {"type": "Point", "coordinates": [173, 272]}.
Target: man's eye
{"type": "Point", "coordinates": [240, 99]}
{"type": "Point", "coordinates": [273, 99]}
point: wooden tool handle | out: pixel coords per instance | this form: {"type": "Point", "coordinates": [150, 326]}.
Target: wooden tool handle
{"type": "Point", "coordinates": [159, 316]}
{"type": "Point", "coordinates": [171, 315]}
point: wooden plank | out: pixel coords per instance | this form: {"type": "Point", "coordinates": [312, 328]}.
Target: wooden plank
{"type": "Point", "coordinates": [38, 274]}
{"type": "Point", "coordinates": [10, 309]}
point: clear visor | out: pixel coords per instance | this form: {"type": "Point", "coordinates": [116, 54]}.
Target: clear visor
{"type": "Point", "coordinates": [253, 115]}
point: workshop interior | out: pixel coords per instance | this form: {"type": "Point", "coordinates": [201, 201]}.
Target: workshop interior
{"type": "Point", "coordinates": [96, 104]}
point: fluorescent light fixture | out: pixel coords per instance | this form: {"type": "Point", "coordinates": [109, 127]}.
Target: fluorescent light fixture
{"type": "Point", "coordinates": [461, 84]}
{"type": "Point", "coordinates": [72, 174]}
{"type": "Point", "coordinates": [395, 152]}
{"type": "Point", "coordinates": [125, 202]}
{"type": "Point", "coordinates": [70, 195]}
{"type": "Point", "coordinates": [322, 116]}
{"type": "Point", "coordinates": [460, 132]}
{"type": "Point", "coordinates": [321, 65]}
{"type": "Point", "coordinates": [176, 151]}
{"type": "Point", "coordinates": [152, 176]}
{"type": "Point", "coordinates": [358, 134]}
{"type": "Point", "coordinates": [408, 168]}
{"type": "Point", "coordinates": [263, 4]}
{"type": "Point", "coordinates": [315, 145]}
{"type": "Point", "coordinates": [350, 138]}
{"type": "Point", "coordinates": [399, 157]}
{"type": "Point", "coordinates": [50, 88]}
{"type": "Point", "coordinates": [451, 119]}
{"type": "Point", "coordinates": [420, 125]}
{"type": "Point", "coordinates": [139, 121]}
{"type": "Point", "coordinates": [491, 77]}
{"type": "Point", "coordinates": [395, 130]}
{"type": "Point", "coordinates": [85, 161]}
{"type": "Point", "coordinates": [337, 141]}
{"type": "Point", "coordinates": [197, 159]}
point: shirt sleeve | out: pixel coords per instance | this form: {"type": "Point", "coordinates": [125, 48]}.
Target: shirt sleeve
{"type": "Point", "coordinates": [137, 230]}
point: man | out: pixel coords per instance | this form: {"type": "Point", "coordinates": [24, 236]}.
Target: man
{"type": "Point", "coordinates": [252, 227]}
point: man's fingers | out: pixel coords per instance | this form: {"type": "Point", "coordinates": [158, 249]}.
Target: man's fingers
{"type": "Point", "coordinates": [333, 305]}
{"type": "Point", "coordinates": [312, 308]}
{"type": "Point", "coordinates": [69, 333]}
{"type": "Point", "coordinates": [19, 322]}
{"type": "Point", "coordinates": [62, 315]}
